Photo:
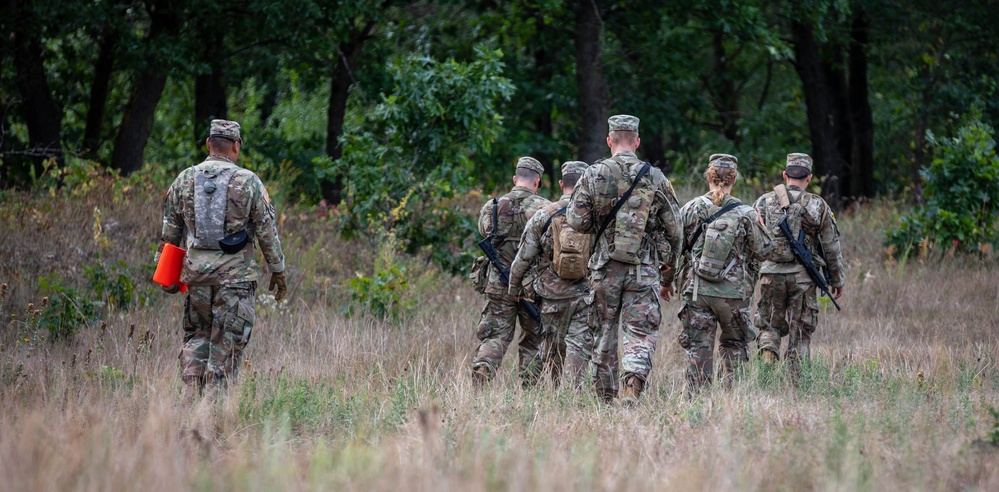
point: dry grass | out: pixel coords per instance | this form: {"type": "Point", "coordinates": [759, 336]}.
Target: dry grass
{"type": "Point", "coordinates": [895, 400]}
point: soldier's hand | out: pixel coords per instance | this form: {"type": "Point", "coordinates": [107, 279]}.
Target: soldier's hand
{"type": "Point", "coordinates": [277, 281]}
{"type": "Point", "coordinates": [171, 289]}
{"type": "Point", "coordinates": [666, 292]}
{"type": "Point", "coordinates": [836, 292]}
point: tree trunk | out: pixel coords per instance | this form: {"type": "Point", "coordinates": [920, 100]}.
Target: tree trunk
{"type": "Point", "coordinates": [543, 65]}
{"type": "Point", "coordinates": [722, 91]}
{"type": "Point", "coordinates": [41, 114]}
{"type": "Point", "coordinates": [810, 68]}
{"type": "Point", "coordinates": [590, 81]}
{"type": "Point", "coordinates": [103, 69]}
{"type": "Point", "coordinates": [861, 121]}
{"type": "Point", "coordinates": [340, 83]}
{"type": "Point", "coordinates": [209, 93]}
{"type": "Point", "coordinates": [130, 145]}
{"type": "Point", "coordinates": [841, 124]}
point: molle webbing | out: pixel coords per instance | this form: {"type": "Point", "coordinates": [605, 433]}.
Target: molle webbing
{"type": "Point", "coordinates": [211, 195]}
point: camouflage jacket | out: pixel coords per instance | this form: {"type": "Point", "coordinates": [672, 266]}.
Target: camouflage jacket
{"type": "Point", "coordinates": [811, 213]}
{"type": "Point", "coordinates": [513, 210]}
{"type": "Point", "coordinates": [248, 205]}
{"type": "Point", "coordinates": [752, 245]}
{"type": "Point", "coordinates": [536, 251]}
{"type": "Point", "coordinates": [595, 195]}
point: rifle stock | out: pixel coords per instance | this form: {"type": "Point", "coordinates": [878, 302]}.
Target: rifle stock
{"type": "Point", "coordinates": [804, 256]}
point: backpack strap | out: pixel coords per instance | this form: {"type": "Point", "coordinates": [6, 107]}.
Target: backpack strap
{"type": "Point", "coordinates": [712, 218]}
{"type": "Point", "coordinates": [548, 222]}
{"type": "Point", "coordinates": [492, 235]}
{"type": "Point", "coordinates": [620, 202]}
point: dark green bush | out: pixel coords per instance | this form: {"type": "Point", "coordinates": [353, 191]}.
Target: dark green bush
{"type": "Point", "coordinates": [961, 194]}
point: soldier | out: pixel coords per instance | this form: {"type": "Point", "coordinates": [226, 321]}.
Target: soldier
{"type": "Point", "coordinates": [559, 254]}
{"type": "Point", "coordinates": [788, 303]}
{"type": "Point", "coordinates": [724, 241]}
{"type": "Point", "coordinates": [217, 209]}
{"type": "Point", "coordinates": [633, 259]}
{"type": "Point", "coordinates": [497, 323]}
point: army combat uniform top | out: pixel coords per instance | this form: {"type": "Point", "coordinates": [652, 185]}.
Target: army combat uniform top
{"type": "Point", "coordinates": [633, 257]}
{"type": "Point", "coordinates": [788, 305]}
{"type": "Point", "coordinates": [568, 338]}
{"type": "Point", "coordinates": [497, 323]}
{"type": "Point", "coordinates": [726, 302]}
{"type": "Point", "coordinates": [247, 206]}
{"type": "Point", "coordinates": [219, 311]}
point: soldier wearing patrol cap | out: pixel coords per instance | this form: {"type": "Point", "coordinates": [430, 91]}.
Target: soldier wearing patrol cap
{"type": "Point", "coordinates": [633, 260]}
{"type": "Point", "coordinates": [498, 321]}
{"type": "Point", "coordinates": [724, 241]}
{"type": "Point", "coordinates": [788, 306]}
{"type": "Point", "coordinates": [220, 213]}
{"type": "Point", "coordinates": [560, 281]}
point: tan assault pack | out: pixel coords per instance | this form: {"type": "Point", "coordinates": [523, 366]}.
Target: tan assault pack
{"type": "Point", "coordinates": [570, 249]}
{"type": "Point", "coordinates": [795, 209]}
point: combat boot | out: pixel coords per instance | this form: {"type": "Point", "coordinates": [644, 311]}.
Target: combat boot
{"type": "Point", "coordinates": [480, 376]}
{"type": "Point", "coordinates": [633, 387]}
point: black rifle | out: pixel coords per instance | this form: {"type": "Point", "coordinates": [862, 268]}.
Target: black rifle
{"type": "Point", "coordinates": [804, 256]}
{"type": "Point", "coordinates": [486, 245]}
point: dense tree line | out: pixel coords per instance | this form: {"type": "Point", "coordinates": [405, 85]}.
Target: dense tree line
{"type": "Point", "coordinates": [859, 85]}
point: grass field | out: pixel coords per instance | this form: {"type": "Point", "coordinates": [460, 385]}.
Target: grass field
{"type": "Point", "coordinates": [898, 396]}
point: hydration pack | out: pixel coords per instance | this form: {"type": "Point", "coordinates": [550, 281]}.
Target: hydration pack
{"type": "Point", "coordinates": [720, 233]}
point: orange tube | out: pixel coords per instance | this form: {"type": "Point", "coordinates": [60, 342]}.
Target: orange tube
{"type": "Point", "coordinates": [168, 269]}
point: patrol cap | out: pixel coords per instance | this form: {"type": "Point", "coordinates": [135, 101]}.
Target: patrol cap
{"type": "Point", "coordinates": [723, 160]}
{"type": "Point", "coordinates": [622, 123]}
{"type": "Point", "coordinates": [574, 167]}
{"type": "Point", "coordinates": [226, 129]}
{"type": "Point", "coordinates": [798, 165]}
{"type": "Point", "coordinates": [530, 163]}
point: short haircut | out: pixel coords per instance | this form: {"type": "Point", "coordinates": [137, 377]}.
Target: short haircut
{"type": "Point", "coordinates": [797, 172]}
{"type": "Point", "coordinates": [525, 173]}
{"type": "Point", "coordinates": [570, 180]}
{"type": "Point", "coordinates": [217, 143]}
{"type": "Point", "coordinates": [623, 136]}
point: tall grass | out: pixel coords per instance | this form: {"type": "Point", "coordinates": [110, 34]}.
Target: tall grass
{"type": "Point", "coordinates": [895, 398]}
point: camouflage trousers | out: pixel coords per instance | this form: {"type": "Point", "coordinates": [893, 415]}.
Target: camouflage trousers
{"type": "Point", "coordinates": [629, 295]}
{"type": "Point", "coordinates": [787, 307]}
{"type": "Point", "coordinates": [568, 339]}
{"type": "Point", "coordinates": [218, 322]}
{"type": "Point", "coordinates": [701, 319]}
{"type": "Point", "coordinates": [495, 332]}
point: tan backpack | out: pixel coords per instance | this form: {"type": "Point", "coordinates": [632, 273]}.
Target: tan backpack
{"type": "Point", "coordinates": [570, 249]}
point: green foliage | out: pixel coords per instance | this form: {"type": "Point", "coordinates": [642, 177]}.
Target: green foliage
{"type": "Point", "coordinates": [108, 287]}
{"type": "Point", "coordinates": [993, 435]}
{"type": "Point", "coordinates": [962, 195]}
{"type": "Point", "coordinates": [382, 295]}
{"type": "Point", "coordinates": [414, 152]}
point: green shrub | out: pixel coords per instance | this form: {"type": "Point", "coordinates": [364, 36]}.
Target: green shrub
{"type": "Point", "coordinates": [68, 308]}
{"type": "Point", "coordinates": [381, 295]}
{"type": "Point", "coordinates": [962, 196]}
{"type": "Point", "coordinates": [412, 157]}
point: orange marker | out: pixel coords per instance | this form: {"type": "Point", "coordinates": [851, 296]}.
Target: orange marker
{"type": "Point", "coordinates": [168, 269]}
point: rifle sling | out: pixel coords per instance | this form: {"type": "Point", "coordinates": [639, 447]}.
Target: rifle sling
{"type": "Point", "coordinates": [620, 202]}
{"type": "Point", "coordinates": [548, 222]}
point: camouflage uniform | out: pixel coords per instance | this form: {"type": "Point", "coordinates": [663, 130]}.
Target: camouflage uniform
{"type": "Point", "coordinates": [787, 304]}
{"type": "Point", "coordinates": [565, 306]}
{"type": "Point", "coordinates": [497, 323]}
{"type": "Point", "coordinates": [219, 311]}
{"type": "Point", "coordinates": [624, 292]}
{"type": "Point", "coordinates": [726, 303]}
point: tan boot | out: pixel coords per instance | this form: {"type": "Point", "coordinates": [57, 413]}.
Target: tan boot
{"type": "Point", "coordinates": [633, 387]}
{"type": "Point", "coordinates": [768, 356]}
{"type": "Point", "coordinates": [481, 376]}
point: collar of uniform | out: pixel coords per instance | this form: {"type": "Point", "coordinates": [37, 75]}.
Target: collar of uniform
{"type": "Point", "coordinates": [219, 158]}
{"type": "Point", "coordinates": [522, 188]}
{"type": "Point", "coordinates": [794, 187]}
{"type": "Point", "coordinates": [725, 200]}
{"type": "Point", "coordinates": [565, 196]}
{"type": "Point", "coordinates": [626, 153]}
